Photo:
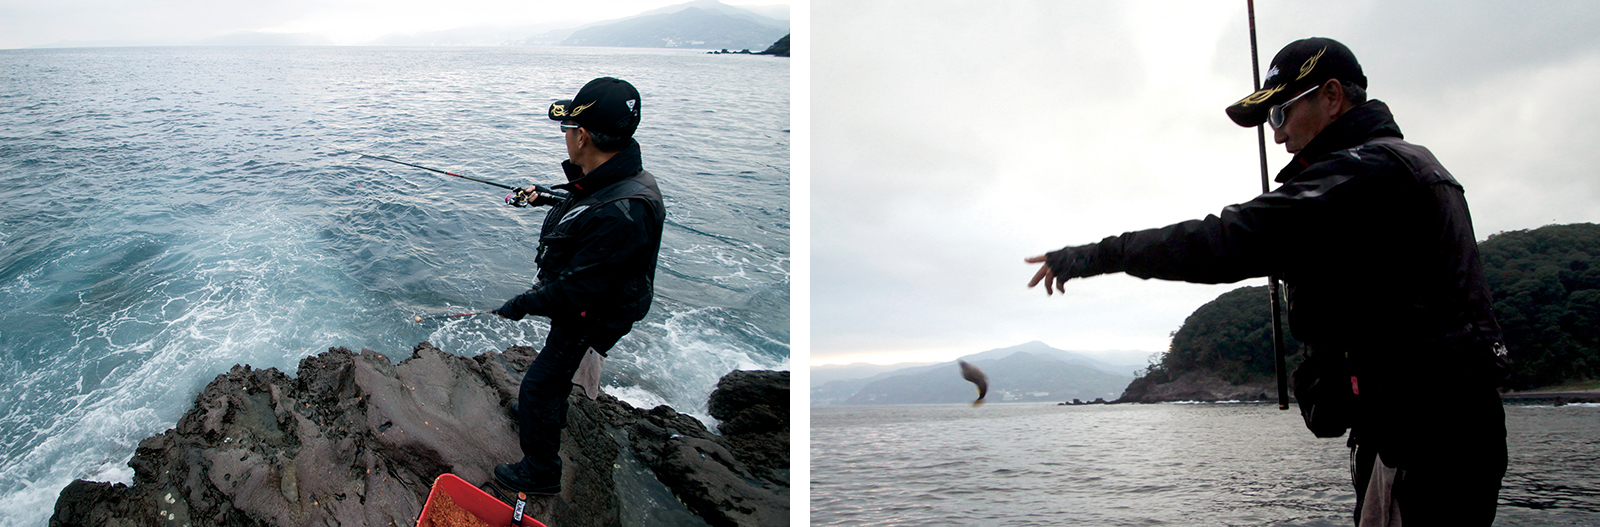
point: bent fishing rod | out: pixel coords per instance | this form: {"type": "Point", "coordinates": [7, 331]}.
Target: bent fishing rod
{"type": "Point", "coordinates": [517, 198]}
{"type": "Point", "coordinates": [419, 318]}
{"type": "Point", "coordinates": [1279, 356]}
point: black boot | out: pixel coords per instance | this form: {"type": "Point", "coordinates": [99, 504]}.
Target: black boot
{"type": "Point", "coordinates": [516, 477]}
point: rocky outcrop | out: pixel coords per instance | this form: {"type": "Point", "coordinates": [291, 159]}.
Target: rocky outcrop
{"type": "Point", "coordinates": [357, 440]}
{"type": "Point", "coordinates": [779, 48]}
{"type": "Point", "coordinates": [1197, 385]}
{"type": "Point", "coordinates": [753, 407]}
{"type": "Point", "coordinates": [741, 478]}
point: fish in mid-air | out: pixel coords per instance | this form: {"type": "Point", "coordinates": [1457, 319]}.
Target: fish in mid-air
{"type": "Point", "coordinates": [975, 376]}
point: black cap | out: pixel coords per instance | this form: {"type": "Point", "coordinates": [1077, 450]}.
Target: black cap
{"type": "Point", "coordinates": [606, 105]}
{"type": "Point", "coordinates": [1297, 67]}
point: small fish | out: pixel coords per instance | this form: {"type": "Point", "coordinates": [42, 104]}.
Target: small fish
{"type": "Point", "coordinates": [975, 376]}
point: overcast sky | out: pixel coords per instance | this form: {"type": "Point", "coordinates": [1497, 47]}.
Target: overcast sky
{"type": "Point", "coordinates": [26, 23]}
{"type": "Point", "coordinates": [952, 139]}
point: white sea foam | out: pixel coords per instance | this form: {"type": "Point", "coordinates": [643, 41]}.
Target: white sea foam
{"type": "Point", "coordinates": [231, 241]}
{"type": "Point", "coordinates": [229, 314]}
{"type": "Point", "coordinates": [643, 399]}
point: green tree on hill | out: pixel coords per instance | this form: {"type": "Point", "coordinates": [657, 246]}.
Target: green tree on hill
{"type": "Point", "coordinates": [779, 48]}
{"type": "Point", "coordinates": [1231, 336]}
{"type": "Point", "coordinates": [1546, 284]}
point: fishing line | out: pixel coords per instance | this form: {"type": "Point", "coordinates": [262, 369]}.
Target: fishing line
{"type": "Point", "coordinates": [517, 198]}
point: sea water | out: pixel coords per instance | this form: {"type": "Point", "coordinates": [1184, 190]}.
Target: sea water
{"type": "Point", "coordinates": [171, 212]}
{"type": "Point", "coordinates": [1159, 464]}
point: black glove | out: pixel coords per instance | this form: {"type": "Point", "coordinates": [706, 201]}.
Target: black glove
{"type": "Point", "coordinates": [546, 197]}
{"type": "Point", "coordinates": [542, 196]}
{"type": "Point", "coordinates": [502, 313]}
{"type": "Point", "coordinates": [1070, 262]}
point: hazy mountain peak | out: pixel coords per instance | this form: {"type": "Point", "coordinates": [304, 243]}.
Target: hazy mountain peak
{"type": "Point", "coordinates": [701, 24]}
{"type": "Point", "coordinates": [1032, 371]}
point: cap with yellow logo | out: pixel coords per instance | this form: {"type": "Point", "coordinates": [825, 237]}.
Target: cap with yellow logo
{"type": "Point", "coordinates": [606, 105]}
{"type": "Point", "coordinates": [1297, 67]}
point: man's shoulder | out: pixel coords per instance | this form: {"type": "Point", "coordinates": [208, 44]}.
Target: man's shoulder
{"type": "Point", "coordinates": [1381, 163]}
{"type": "Point", "coordinates": [628, 212]}
{"type": "Point", "coordinates": [1359, 160]}
{"type": "Point", "coordinates": [1372, 156]}
{"type": "Point", "coordinates": [1415, 159]}
{"type": "Point", "coordinates": [638, 183]}
{"type": "Point", "coordinates": [637, 192]}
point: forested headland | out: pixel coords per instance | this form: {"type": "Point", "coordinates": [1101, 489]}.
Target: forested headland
{"type": "Point", "coordinates": [1546, 286]}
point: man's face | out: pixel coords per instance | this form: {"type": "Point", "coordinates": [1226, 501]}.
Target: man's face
{"type": "Point", "coordinates": [570, 130]}
{"type": "Point", "coordinates": [1303, 120]}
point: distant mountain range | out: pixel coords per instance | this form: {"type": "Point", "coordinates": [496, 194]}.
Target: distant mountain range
{"type": "Point", "coordinates": [1024, 373]}
{"type": "Point", "coordinates": [700, 24]}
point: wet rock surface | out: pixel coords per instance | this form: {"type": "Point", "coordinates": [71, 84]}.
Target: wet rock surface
{"type": "Point", "coordinates": [739, 478]}
{"type": "Point", "coordinates": [357, 440]}
{"type": "Point", "coordinates": [753, 407]}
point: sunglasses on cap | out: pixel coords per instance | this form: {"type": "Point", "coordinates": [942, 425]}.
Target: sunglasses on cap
{"type": "Point", "coordinates": [1275, 115]}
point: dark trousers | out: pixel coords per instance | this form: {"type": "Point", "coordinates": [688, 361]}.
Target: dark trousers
{"type": "Point", "coordinates": [1453, 478]}
{"type": "Point", "coordinates": [542, 400]}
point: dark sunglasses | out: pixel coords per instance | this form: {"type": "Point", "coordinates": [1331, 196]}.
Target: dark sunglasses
{"type": "Point", "coordinates": [1275, 115]}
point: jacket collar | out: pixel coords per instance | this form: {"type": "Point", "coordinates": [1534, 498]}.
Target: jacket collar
{"type": "Point", "coordinates": [1363, 123]}
{"type": "Point", "coordinates": [621, 166]}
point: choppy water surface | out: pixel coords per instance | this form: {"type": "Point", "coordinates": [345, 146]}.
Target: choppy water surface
{"type": "Point", "coordinates": [1170, 464]}
{"type": "Point", "coordinates": [171, 212]}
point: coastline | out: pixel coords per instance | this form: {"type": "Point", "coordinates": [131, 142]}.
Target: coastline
{"type": "Point", "coordinates": [358, 440]}
{"type": "Point", "coordinates": [1203, 386]}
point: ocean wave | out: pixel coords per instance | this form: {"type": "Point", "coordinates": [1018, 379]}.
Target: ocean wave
{"type": "Point", "coordinates": [231, 238]}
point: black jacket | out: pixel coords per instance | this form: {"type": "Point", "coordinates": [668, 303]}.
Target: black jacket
{"type": "Point", "coordinates": [1375, 244]}
{"type": "Point", "coordinates": [597, 250]}
{"type": "Point", "coordinates": [1371, 235]}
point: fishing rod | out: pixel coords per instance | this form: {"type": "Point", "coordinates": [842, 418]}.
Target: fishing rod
{"type": "Point", "coordinates": [514, 199]}
{"type": "Point", "coordinates": [418, 319]}
{"type": "Point", "coordinates": [1279, 359]}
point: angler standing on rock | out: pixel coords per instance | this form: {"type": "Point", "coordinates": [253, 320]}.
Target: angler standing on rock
{"type": "Point", "coordinates": [597, 265]}
{"type": "Point", "coordinates": [1373, 238]}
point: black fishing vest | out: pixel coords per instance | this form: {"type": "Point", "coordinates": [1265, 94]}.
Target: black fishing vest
{"type": "Point", "coordinates": [559, 240]}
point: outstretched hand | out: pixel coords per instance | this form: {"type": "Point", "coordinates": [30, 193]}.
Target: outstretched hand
{"type": "Point", "coordinates": [1045, 275]}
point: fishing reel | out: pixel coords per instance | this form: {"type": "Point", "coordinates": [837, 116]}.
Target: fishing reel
{"type": "Point", "coordinates": [519, 197]}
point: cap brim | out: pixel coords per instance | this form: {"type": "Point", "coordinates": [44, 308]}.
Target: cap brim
{"type": "Point", "coordinates": [1252, 110]}
{"type": "Point", "coordinates": [558, 110]}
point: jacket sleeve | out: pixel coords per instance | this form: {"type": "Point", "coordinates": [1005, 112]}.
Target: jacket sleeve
{"type": "Point", "coordinates": [592, 277]}
{"type": "Point", "coordinates": [1246, 240]}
